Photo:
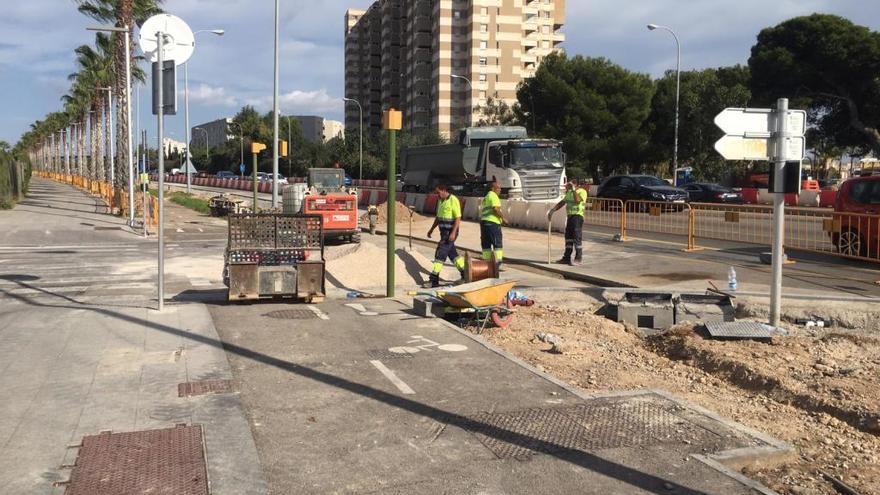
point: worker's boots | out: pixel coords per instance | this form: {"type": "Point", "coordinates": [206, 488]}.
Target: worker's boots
{"type": "Point", "coordinates": [433, 281]}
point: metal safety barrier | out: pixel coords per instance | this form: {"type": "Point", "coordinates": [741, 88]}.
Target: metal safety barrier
{"type": "Point", "coordinates": [605, 212]}
{"type": "Point", "coordinates": [661, 217]}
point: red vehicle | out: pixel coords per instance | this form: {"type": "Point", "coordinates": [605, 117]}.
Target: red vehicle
{"type": "Point", "coordinates": [857, 218]}
{"type": "Point", "coordinates": [329, 198]}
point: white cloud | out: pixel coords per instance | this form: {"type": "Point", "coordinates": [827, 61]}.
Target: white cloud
{"type": "Point", "coordinates": [210, 95]}
{"type": "Point", "coordinates": [300, 102]}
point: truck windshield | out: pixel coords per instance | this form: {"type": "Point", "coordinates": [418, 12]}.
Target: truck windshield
{"type": "Point", "coordinates": [537, 157]}
{"type": "Point", "coordinates": [327, 180]}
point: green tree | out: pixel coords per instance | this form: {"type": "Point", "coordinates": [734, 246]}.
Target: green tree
{"type": "Point", "coordinates": [595, 107]}
{"type": "Point", "coordinates": [828, 65]}
{"type": "Point", "coordinates": [497, 112]}
{"type": "Point", "coordinates": [704, 94]}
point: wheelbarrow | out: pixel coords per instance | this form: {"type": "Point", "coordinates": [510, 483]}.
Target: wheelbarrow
{"type": "Point", "coordinates": [481, 301]}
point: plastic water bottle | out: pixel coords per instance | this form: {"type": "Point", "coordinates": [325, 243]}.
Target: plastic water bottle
{"type": "Point", "coordinates": [731, 279]}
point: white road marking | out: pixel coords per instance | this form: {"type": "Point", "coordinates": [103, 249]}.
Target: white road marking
{"type": "Point", "coordinates": [322, 315]}
{"type": "Point", "coordinates": [452, 347]}
{"type": "Point", "coordinates": [400, 384]}
{"type": "Point", "coordinates": [357, 307]}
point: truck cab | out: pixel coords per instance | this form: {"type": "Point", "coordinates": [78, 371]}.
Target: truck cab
{"type": "Point", "coordinates": [531, 169]}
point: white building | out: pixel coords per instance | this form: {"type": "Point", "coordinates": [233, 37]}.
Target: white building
{"type": "Point", "coordinates": [171, 146]}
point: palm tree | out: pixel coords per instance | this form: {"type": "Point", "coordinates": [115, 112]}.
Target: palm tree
{"type": "Point", "coordinates": [122, 13]}
{"type": "Point", "coordinates": [95, 72]}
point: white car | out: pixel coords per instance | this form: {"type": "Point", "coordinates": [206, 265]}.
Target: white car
{"type": "Point", "coordinates": [263, 176]}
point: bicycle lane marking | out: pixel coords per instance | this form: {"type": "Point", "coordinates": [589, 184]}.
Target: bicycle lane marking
{"type": "Point", "coordinates": [400, 384]}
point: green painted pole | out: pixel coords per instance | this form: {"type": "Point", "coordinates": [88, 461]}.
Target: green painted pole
{"type": "Point", "coordinates": [392, 210]}
{"type": "Point", "coordinates": [255, 181]}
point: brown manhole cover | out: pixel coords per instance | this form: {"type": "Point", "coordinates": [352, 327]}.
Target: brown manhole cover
{"type": "Point", "coordinates": [170, 460]}
{"type": "Point", "coordinates": [205, 387]}
{"type": "Point", "coordinates": [292, 314]}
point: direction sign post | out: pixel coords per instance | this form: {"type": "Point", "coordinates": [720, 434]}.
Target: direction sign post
{"type": "Point", "coordinates": [782, 143]}
{"type": "Point", "coordinates": [764, 134]}
{"type": "Point", "coordinates": [164, 37]}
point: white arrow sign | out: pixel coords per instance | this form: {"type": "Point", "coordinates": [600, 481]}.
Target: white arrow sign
{"type": "Point", "coordinates": [759, 148]}
{"type": "Point", "coordinates": [758, 121]}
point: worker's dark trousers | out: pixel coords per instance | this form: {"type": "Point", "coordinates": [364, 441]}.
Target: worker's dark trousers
{"type": "Point", "coordinates": [574, 237]}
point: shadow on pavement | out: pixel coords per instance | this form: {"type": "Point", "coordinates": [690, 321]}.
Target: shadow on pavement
{"type": "Point", "coordinates": [625, 474]}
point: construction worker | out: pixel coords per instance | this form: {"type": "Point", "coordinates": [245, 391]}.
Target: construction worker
{"type": "Point", "coordinates": [491, 221]}
{"type": "Point", "coordinates": [448, 220]}
{"type": "Point", "coordinates": [574, 201]}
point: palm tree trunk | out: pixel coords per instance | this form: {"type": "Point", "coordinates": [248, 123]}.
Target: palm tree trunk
{"type": "Point", "coordinates": [101, 146]}
{"type": "Point", "coordinates": [94, 146]}
{"type": "Point", "coordinates": [124, 18]}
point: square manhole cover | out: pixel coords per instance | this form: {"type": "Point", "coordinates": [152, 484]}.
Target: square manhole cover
{"type": "Point", "coordinates": [170, 460]}
{"type": "Point", "coordinates": [205, 387]}
{"type": "Point", "coordinates": [292, 314]}
{"type": "Point", "coordinates": [588, 427]}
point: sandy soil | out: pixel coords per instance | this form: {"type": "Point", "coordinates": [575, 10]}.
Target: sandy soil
{"type": "Point", "coordinates": [363, 268]}
{"type": "Point", "coordinates": [402, 215]}
{"type": "Point", "coordinates": [820, 394]}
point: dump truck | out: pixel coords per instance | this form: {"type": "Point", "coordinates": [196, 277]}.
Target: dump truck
{"type": "Point", "coordinates": [328, 197]}
{"type": "Point", "coordinates": [530, 169]}
{"type": "Point", "coordinates": [274, 255]}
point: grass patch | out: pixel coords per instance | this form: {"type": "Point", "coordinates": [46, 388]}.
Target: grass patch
{"type": "Point", "coordinates": [186, 200]}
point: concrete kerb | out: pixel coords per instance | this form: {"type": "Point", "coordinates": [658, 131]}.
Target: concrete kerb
{"type": "Point", "coordinates": [774, 451]}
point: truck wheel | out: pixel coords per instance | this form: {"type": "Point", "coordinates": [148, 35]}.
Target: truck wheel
{"type": "Point", "coordinates": [355, 238]}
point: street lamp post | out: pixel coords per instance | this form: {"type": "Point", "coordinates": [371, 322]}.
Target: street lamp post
{"type": "Point", "coordinates": [653, 27]}
{"type": "Point", "coordinates": [361, 136]}
{"type": "Point", "coordinates": [128, 152]}
{"type": "Point", "coordinates": [188, 167]}
{"type": "Point", "coordinates": [275, 108]}
{"type": "Point", "coordinates": [470, 90]}
{"type": "Point", "coordinates": [240, 140]}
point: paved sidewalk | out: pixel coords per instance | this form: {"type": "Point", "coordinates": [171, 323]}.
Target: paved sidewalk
{"type": "Point", "coordinates": [81, 352]}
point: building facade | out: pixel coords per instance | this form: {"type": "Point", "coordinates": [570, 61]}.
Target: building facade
{"type": "Point", "coordinates": [216, 132]}
{"type": "Point", "coordinates": [404, 54]}
{"type": "Point", "coordinates": [319, 129]}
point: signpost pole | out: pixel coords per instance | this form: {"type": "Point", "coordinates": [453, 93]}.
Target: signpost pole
{"type": "Point", "coordinates": [160, 138]}
{"type": "Point", "coordinates": [781, 143]}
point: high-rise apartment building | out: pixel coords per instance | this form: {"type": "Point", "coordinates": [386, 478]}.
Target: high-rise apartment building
{"type": "Point", "coordinates": [404, 54]}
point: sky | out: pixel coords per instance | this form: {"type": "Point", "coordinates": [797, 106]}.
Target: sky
{"type": "Point", "coordinates": [37, 39]}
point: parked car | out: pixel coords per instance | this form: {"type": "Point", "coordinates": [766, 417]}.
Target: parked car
{"type": "Point", "coordinates": [225, 174]}
{"type": "Point", "coordinates": [641, 187]}
{"type": "Point", "coordinates": [348, 180]}
{"type": "Point", "coordinates": [203, 175]}
{"type": "Point", "coordinates": [857, 217]}
{"type": "Point", "coordinates": [699, 192]}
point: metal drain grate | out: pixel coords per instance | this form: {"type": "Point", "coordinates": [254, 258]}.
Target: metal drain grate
{"type": "Point", "coordinates": [108, 228]}
{"type": "Point", "coordinates": [739, 330]}
{"type": "Point", "coordinates": [585, 427]}
{"type": "Point", "coordinates": [171, 460]}
{"type": "Point", "coordinates": [292, 314]}
{"type": "Point", "coordinates": [386, 354]}
{"type": "Point", "coordinates": [206, 387]}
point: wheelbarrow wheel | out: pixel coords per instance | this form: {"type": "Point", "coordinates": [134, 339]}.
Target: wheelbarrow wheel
{"type": "Point", "coordinates": [501, 321]}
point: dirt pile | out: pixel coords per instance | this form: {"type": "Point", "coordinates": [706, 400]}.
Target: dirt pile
{"type": "Point", "coordinates": [363, 269]}
{"type": "Point", "coordinates": [818, 393]}
{"type": "Point", "coordinates": [402, 213]}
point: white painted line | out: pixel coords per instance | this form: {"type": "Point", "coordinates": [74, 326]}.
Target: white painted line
{"type": "Point", "coordinates": [403, 387]}
{"type": "Point", "coordinates": [322, 315]}
{"type": "Point", "coordinates": [357, 307]}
